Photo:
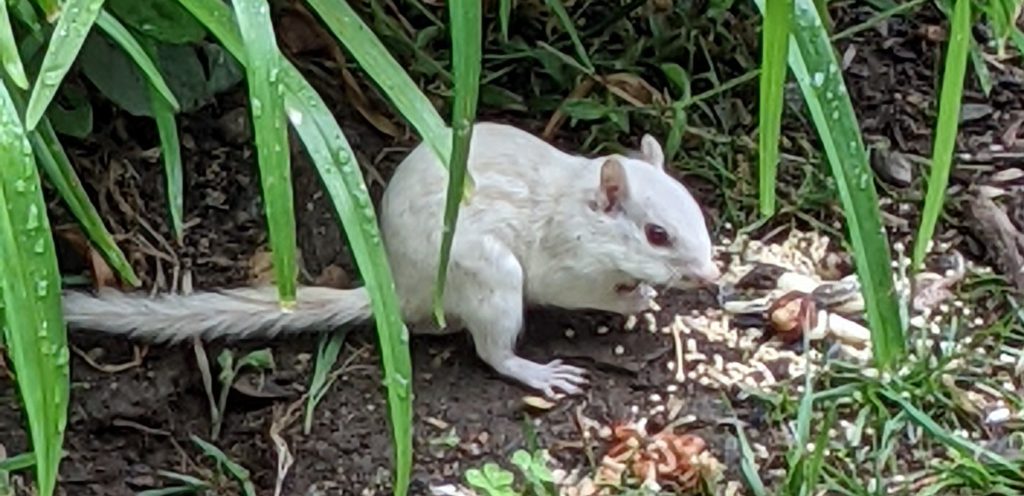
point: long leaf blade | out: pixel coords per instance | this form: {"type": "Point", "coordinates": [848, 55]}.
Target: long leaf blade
{"type": "Point", "coordinates": [74, 24]}
{"type": "Point", "coordinates": [946, 129]}
{"type": "Point", "coordinates": [775, 43]}
{"type": "Point", "coordinates": [563, 17]}
{"type": "Point", "coordinates": [832, 112]}
{"type": "Point", "coordinates": [33, 323]}
{"type": "Point", "coordinates": [466, 40]}
{"type": "Point", "coordinates": [375, 59]}
{"type": "Point", "coordinates": [120, 34]}
{"type": "Point", "coordinates": [333, 157]}
{"type": "Point", "coordinates": [9, 50]}
{"type": "Point", "coordinates": [170, 148]}
{"type": "Point", "coordinates": [265, 100]}
{"type": "Point", "coordinates": [52, 8]}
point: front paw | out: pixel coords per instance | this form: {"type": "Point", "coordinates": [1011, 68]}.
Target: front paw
{"type": "Point", "coordinates": [637, 300]}
{"type": "Point", "coordinates": [554, 376]}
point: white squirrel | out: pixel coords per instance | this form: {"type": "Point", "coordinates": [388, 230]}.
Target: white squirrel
{"type": "Point", "coordinates": [542, 227]}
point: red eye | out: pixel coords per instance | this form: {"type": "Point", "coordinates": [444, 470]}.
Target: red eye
{"type": "Point", "coordinates": [656, 235]}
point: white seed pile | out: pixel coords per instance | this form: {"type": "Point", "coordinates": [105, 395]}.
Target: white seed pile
{"type": "Point", "coordinates": [704, 340]}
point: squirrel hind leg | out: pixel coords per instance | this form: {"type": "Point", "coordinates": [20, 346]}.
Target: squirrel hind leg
{"type": "Point", "coordinates": [489, 290]}
{"type": "Point", "coordinates": [494, 336]}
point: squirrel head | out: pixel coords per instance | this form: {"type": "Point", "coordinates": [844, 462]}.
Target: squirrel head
{"type": "Point", "coordinates": [649, 225]}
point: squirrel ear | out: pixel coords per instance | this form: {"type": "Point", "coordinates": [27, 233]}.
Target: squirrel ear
{"type": "Point", "coordinates": [651, 151]}
{"type": "Point", "coordinates": [613, 185]}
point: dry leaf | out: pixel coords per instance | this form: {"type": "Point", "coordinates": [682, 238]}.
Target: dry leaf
{"type": "Point", "coordinates": [333, 276]}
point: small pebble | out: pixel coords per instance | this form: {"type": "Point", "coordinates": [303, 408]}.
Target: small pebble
{"type": "Point", "coordinates": [602, 330]}
{"type": "Point", "coordinates": [570, 333]}
{"type": "Point", "coordinates": [619, 349]}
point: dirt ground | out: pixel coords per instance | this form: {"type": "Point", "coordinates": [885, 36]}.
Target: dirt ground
{"type": "Point", "coordinates": [127, 425]}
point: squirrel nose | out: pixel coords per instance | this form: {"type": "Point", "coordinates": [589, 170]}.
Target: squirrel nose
{"type": "Point", "coordinates": [709, 274]}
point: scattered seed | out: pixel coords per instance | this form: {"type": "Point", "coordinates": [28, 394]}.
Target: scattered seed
{"type": "Point", "coordinates": [652, 323]}
{"type": "Point", "coordinates": [630, 322]}
{"type": "Point", "coordinates": [998, 416]}
{"type": "Point", "coordinates": [694, 357]}
{"type": "Point", "coordinates": [538, 402]}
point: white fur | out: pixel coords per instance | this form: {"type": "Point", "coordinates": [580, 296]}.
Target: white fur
{"type": "Point", "coordinates": [534, 232]}
{"type": "Point", "coordinates": [235, 313]}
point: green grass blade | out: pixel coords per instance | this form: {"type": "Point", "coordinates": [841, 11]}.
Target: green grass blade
{"type": "Point", "coordinates": [170, 148]}
{"type": "Point", "coordinates": [326, 356]}
{"type": "Point", "coordinates": [25, 13]}
{"type": "Point", "coordinates": [265, 99]}
{"type": "Point", "coordinates": [52, 8]}
{"type": "Point", "coordinates": [240, 473]}
{"type": "Point", "coordinates": [171, 491]}
{"type": "Point", "coordinates": [18, 462]}
{"type": "Point", "coordinates": [504, 14]}
{"type": "Point", "coordinates": [1017, 36]}
{"type": "Point", "coordinates": [466, 40]}
{"type": "Point", "coordinates": [559, 9]}
{"type": "Point", "coordinates": [775, 43]}
{"type": "Point", "coordinates": [9, 50]}
{"type": "Point", "coordinates": [748, 462]}
{"type": "Point", "coordinates": [120, 34]}
{"type": "Point", "coordinates": [946, 128]}
{"type": "Point", "coordinates": [981, 69]}
{"type": "Point", "coordinates": [59, 172]}
{"type": "Point", "coordinates": [396, 84]}
{"type": "Point", "coordinates": [813, 62]}
{"type": "Point", "coordinates": [67, 39]}
{"type": "Point", "coordinates": [34, 328]}
{"type": "Point", "coordinates": [333, 157]}
{"type": "Point", "coordinates": [922, 419]}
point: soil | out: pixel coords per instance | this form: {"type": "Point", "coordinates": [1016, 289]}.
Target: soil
{"type": "Point", "coordinates": [125, 426]}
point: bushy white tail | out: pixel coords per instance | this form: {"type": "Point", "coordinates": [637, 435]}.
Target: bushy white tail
{"type": "Point", "coordinates": [233, 313]}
